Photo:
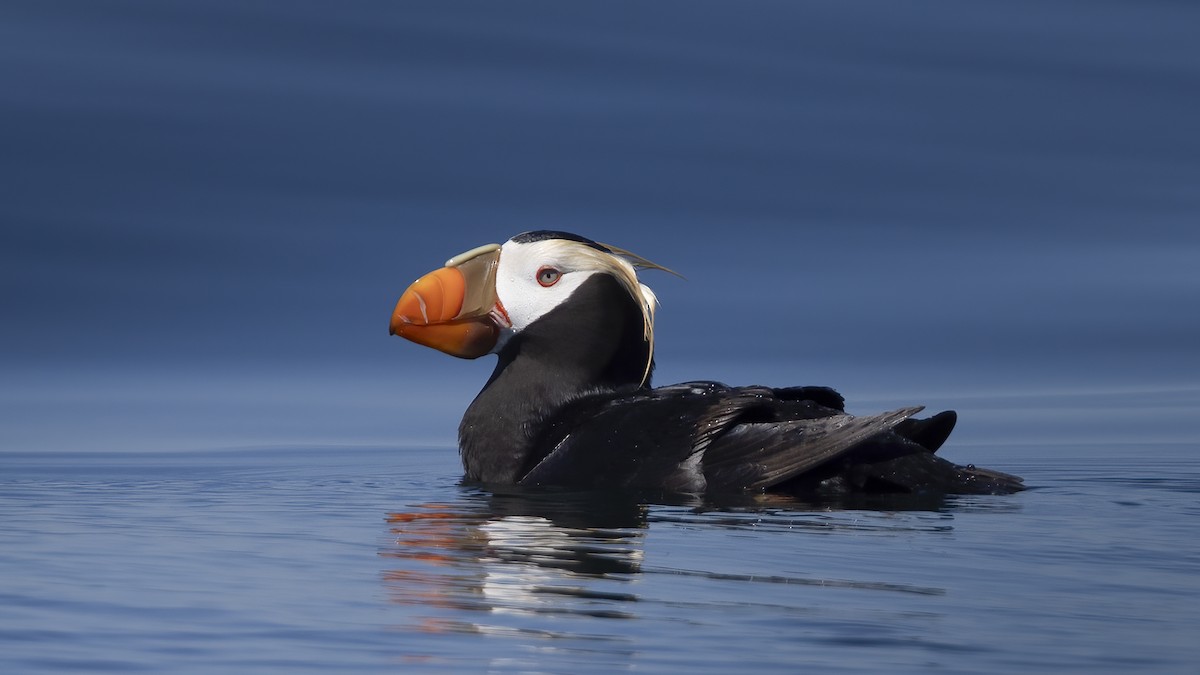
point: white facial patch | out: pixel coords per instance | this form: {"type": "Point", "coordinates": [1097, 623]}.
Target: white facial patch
{"type": "Point", "coordinates": [524, 299]}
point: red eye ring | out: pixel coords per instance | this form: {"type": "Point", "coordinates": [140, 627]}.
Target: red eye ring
{"type": "Point", "coordinates": [548, 276]}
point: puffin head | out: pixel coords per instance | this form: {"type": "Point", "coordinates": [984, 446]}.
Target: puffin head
{"type": "Point", "coordinates": [485, 298]}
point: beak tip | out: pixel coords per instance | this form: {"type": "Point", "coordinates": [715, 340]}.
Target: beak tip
{"type": "Point", "coordinates": [397, 319]}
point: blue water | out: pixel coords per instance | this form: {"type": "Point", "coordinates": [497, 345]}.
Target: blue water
{"type": "Point", "coordinates": [212, 456]}
{"type": "Point", "coordinates": [339, 559]}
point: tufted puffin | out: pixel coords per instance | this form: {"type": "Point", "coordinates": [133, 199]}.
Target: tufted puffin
{"type": "Point", "coordinates": [570, 403]}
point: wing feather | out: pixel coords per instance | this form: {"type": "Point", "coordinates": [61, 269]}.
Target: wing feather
{"type": "Point", "coordinates": [755, 455]}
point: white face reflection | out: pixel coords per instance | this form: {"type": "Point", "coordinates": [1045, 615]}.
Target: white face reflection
{"type": "Point", "coordinates": [516, 575]}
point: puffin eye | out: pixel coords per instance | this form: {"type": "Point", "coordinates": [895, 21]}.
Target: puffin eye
{"type": "Point", "coordinates": [548, 276]}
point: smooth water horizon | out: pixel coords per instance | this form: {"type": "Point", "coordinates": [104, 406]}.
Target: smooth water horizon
{"type": "Point", "coordinates": [364, 560]}
{"type": "Point", "coordinates": [214, 457]}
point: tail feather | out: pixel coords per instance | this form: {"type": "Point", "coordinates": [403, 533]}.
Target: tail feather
{"type": "Point", "coordinates": [931, 432]}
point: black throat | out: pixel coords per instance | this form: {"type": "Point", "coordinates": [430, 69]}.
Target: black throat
{"type": "Point", "coordinates": [592, 343]}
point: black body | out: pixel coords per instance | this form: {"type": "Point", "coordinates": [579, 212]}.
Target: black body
{"type": "Point", "coordinates": [565, 407]}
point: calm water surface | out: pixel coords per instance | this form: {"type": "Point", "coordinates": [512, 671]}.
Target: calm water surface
{"type": "Point", "coordinates": [377, 559]}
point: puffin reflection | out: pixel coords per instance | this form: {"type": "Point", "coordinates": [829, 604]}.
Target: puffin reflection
{"type": "Point", "coordinates": [524, 553]}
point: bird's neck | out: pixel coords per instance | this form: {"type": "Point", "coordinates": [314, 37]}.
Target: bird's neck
{"type": "Point", "coordinates": [595, 343]}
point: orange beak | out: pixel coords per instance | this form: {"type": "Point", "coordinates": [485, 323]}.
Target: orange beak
{"type": "Point", "coordinates": [453, 309]}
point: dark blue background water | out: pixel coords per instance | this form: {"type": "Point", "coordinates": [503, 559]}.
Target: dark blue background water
{"type": "Point", "coordinates": [207, 211]}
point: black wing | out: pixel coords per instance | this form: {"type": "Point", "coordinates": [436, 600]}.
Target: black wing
{"type": "Point", "coordinates": [759, 455]}
{"type": "Point", "coordinates": [700, 435]}
{"type": "Point", "coordinates": [643, 439]}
